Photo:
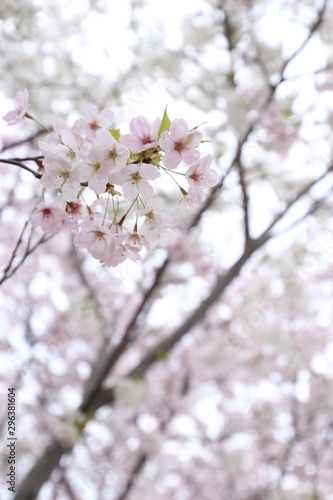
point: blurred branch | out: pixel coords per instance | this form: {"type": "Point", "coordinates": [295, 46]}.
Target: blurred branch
{"type": "Point", "coordinates": [24, 141]}
{"type": "Point", "coordinates": [10, 269]}
{"type": "Point", "coordinates": [299, 49]}
{"type": "Point", "coordinates": [41, 471]}
{"type": "Point", "coordinates": [245, 200]}
{"type": "Point", "coordinates": [196, 316]}
{"type": "Point", "coordinates": [78, 266]}
{"type": "Point", "coordinates": [63, 481]}
{"type": "Point", "coordinates": [107, 358]}
{"type": "Point", "coordinates": [222, 283]}
{"type": "Point", "coordinates": [292, 202]}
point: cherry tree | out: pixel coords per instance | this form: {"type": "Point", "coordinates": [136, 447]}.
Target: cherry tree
{"type": "Point", "coordinates": [166, 285]}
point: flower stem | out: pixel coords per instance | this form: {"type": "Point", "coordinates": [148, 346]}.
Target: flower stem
{"type": "Point", "coordinates": [106, 209]}
{"type": "Point", "coordinates": [166, 170]}
{"type": "Point", "coordinates": [28, 115]}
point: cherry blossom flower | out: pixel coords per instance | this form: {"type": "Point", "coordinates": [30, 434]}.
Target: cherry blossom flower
{"type": "Point", "coordinates": [74, 209]}
{"type": "Point", "coordinates": [52, 219]}
{"type": "Point", "coordinates": [133, 244]}
{"type": "Point", "coordinates": [54, 137]}
{"type": "Point", "coordinates": [93, 121]}
{"type": "Point", "coordinates": [155, 224]}
{"type": "Point", "coordinates": [94, 172]}
{"type": "Point", "coordinates": [155, 218]}
{"type": "Point", "coordinates": [22, 103]}
{"type": "Point", "coordinates": [115, 256]}
{"type": "Point", "coordinates": [108, 151]}
{"type": "Point", "coordinates": [59, 173]}
{"type": "Point", "coordinates": [96, 238]}
{"type": "Point", "coordinates": [143, 135]}
{"type": "Point", "coordinates": [200, 176]}
{"type": "Point", "coordinates": [134, 179]}
{"type": "Point", "coordinates": [68, 148]}
{"type": "Point", "coordinates": [179, 144]}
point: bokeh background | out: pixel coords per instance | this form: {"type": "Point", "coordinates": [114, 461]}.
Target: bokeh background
{"type": "Point", "coordinates": [238, 403]}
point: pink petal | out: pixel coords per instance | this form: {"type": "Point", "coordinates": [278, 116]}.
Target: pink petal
{"type": "Point", "coordinates": [90, 113]}
{"type": "Point", "coordinates": [178, 129]}
{"type": "Point", "coordinates": [105, 117]}
{"type": "Point", "coordinates": [155, 128]}
{"type": "Point", "coordinates": [11, 116]}
{"type": "Point", "coordinates": [194, 139]}
{"type": "Point", "coordinates": [172, 159]}
{"type": "Point", "coordinates": [133, 143]}
{"type": "Point", "coordinates": [145, 189]}
{"type": "Point", "coordinates": [196, 194]}
{"type": "Point", "coordinates": [130, 190]}
{"type": "Point", "coordinates": [149, 172]}
{"type": "Point", "coordinates": [190, 155]}
{"type": "Point", "coordinates": [140, 126]}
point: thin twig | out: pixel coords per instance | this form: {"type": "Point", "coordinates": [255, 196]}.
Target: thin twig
{"type": "Point", "coordinates": [18, 243]}
{"type": "Point", "coordinates": [292, 202]}
{"type": "Point", "coordinates": [26, 254]}
{"type": "Point", "coordinates": [18, 164]}
{"type": "Point", "coordinates": [29, 158]}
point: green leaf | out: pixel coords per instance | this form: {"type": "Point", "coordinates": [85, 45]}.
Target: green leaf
{"type": "Point", "coordinates": [136, 156]}
{"type": "Point", "coordinates": [194, 128]}
{"type": "Point", "coordinates": [165, 125]}
{"type": "Point", "coordinates": [115, 133]}
{"type": "Point", "coordinates": [156, 161]}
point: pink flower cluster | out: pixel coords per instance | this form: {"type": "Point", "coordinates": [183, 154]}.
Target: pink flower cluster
{"type": "Point", "coordinates": [92, 158]}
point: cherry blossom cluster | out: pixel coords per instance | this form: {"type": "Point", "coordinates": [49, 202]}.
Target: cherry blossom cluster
{"type": "Point", "coordinates": [92, 157]}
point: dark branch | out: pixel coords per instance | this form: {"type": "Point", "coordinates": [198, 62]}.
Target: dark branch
{"type": "Point", "coordinates": [41, 471]}
{"type": "Point", "coordinates": [18, 164]}
{"type": "Point", "coordinates": [9, 270]}
{"type": "Point", "coordinates": [245, 201]}
{"type": "Point", "coordinates": [108, 357]}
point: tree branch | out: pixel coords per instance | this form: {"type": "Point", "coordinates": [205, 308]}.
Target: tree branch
{"type": "Point", "coordinates": [245, 201]}
{"type": "Point", "coordinates": [29, 250]}
{"type": "Point", "coordinates": [292, 202]}
{"type": "Point", "coordinates": [41, 471]}
{"type": "Point", "coordinates": [108, 357]}
{"type": "Point", "coordinates": [299, 49]}
{"type": "Point", "coordinates": [18, 164]}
